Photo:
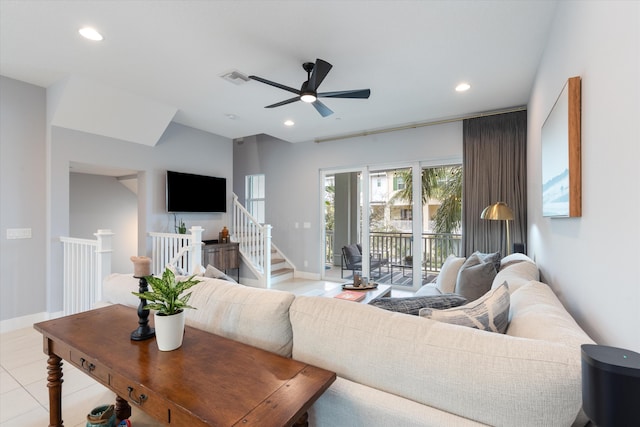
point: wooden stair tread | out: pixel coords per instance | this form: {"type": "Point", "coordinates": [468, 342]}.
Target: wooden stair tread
{"type": "Point", "coordinates": [281, 271]}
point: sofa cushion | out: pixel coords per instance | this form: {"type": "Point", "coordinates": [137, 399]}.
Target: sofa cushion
{"type": "Point", "coordinates": [488, 313]}
{"type": "Point", "coordinates": [446, 280]}
{"type": "Point", "coordinates": [537, 313]}
{"type": "Point", "coordinates": [464, 371]}
{"type": "Point", "coordinates": [412, 305]}
{"type": "Point", "coordinates": [475, 277]}
{"type": "Point", "coordinates": [258, 317]}
{"type": "Point", "coordinates": [517, 273]}
{"type": "Point", "coordinates": [353, 254]}
{"type": "Point", "coordinates": [513, 259]}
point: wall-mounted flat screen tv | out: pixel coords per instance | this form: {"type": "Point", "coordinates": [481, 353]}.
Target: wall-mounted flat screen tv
{"type": "Point", "coordinates": [188, 192]}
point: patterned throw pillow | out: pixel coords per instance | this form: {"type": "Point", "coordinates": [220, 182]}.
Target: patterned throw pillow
{"type": "Point", "coordinates": [412, 305]}
{"type": "Point", "coordinates": [488, 313]}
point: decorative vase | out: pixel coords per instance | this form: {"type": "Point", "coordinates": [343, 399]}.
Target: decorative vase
{"type": "Point", "coordinates": [169, 330]}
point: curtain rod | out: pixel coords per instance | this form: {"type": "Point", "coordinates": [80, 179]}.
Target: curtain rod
{"type": "Point", "coordinates": [423, 124]}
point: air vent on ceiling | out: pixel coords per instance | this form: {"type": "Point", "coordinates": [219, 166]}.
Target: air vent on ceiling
{"type": "Point", "coordinates": [235, 77]}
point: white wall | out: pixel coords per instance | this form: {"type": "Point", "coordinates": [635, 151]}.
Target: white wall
{"type": "Point", "coordinates": [22, 198]}
{"type": "Point", "coordinates": [102, 202]}
{"type": "Point", "coordinates": [292, 174]}
{"type": "Point", "coordinates": [593, 262]}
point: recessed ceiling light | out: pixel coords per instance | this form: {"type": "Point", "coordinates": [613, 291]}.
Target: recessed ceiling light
{"type": "Point", "coordinates": [463, 87]}
{"type": "Point", "coordinates": [90, 33]}
{"type": "Point", "coordinates": [289, 123]}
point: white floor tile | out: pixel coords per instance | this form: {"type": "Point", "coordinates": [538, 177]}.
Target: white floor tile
{"type": "Point", "coordinates": [36, 418]}
{"type": "Point", "coordinates": [7, 383]}
{"type": "Point", "coordinates": [16, 402]}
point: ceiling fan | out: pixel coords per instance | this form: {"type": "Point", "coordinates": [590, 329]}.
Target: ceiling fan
{"type": "Point", "coordinates": [309, 91]}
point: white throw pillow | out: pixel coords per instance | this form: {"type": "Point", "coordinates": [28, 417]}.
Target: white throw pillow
{"type": "Point", "coordinates": [446, 280]}
{"type": "Point", "coordinates": [214, 273]}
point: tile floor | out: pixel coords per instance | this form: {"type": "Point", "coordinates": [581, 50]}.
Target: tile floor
{"type": "Point", "coordinates": [24, 400]}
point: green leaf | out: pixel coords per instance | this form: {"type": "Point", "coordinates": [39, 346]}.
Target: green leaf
{"type": "Point", "coordinates": [165, 292]}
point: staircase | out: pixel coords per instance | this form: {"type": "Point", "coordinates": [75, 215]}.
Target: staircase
{"type": "Point", "coordinates": [263, 259]}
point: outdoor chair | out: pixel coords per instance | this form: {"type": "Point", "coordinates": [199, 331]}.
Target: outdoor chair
{"type": "Point", "coordinates": [352, 260]}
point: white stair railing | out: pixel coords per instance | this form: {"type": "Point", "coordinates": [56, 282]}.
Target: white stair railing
{"type": "Point", "coordinates": [85, 263]}
{"type": "Point", "coordinates": [183, 251]}
{"type": "Point", "coordinates": [255, 241]}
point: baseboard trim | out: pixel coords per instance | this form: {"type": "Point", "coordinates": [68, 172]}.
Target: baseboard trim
{"type": "Point", "coordinates": [9, 325]}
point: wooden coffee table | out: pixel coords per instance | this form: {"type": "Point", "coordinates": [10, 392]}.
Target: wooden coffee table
{"type": "Point", "coordinates": [370, 294]}
{"type": "Point", "coordinates": [208, 381]}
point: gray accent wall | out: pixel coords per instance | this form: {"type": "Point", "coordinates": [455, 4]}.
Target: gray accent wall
{"type": "Point", "coordinates": [593, 262]}
{"type": "Point", "coordinates": [22, 198]}
{"type": "Point", "coordinates": [102, 202]}
{"type": "Point", "coordinates": [35, 183]}
{"type": "Point", "coordinates": [181, 148]}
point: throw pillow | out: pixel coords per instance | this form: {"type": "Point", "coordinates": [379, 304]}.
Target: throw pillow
{"type": "Point", "coordinates": [427, 290]}
{"type": "Point", "coordinates": [446, 280]}
{"type": "Point", "coordinates": [412, 305]}
{"type": "Point", "coordinates": [488, 313]}
{"type": "Point", "coordinates": [493, 257]}
{"type": "Point", "coordinates": [214, 273]}
{"type": "Point", "coordinates": [353, 253]}
{"type": "Point", "coordinates": [475, 277]}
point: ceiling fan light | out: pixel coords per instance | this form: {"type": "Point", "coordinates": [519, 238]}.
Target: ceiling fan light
{"type": "Point", "coordinates": [308, 97]}
{"type": "Point", "coordinates": [90, 33]}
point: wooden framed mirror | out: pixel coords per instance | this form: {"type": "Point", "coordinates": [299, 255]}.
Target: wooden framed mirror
{"type": "Point", "coordinates": [561, 154]}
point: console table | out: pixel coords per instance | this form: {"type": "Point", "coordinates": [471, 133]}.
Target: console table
{"type": "Point", "coordinates": [209, 381]}
{"type": "Point", "coordinates": [223, 256]}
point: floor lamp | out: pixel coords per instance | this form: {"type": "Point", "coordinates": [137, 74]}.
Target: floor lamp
{"type": "Point", "coordinates": [499, 212]}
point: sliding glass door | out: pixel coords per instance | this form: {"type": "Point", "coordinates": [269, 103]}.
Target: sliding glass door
{"type": "Point", "coordinates": [404, 220]}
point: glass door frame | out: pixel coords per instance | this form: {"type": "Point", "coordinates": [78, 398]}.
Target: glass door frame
{"type": "Point", "coordinates": [364, 232]}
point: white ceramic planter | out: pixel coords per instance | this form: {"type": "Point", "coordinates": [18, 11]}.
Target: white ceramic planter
{"type": "Point", "coordinates": [169, 331]}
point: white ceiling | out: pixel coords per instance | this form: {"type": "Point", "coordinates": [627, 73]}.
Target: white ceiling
{"type": "Point", "coordinates": [411, 54]}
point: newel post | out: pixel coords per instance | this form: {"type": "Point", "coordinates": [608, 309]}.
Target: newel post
{"type": "Point", "coordinates": [267, 255]}
{"type": "Point", "coordinates": [196, 259]}
{"type": "Point", "coordinates": [103, 255]}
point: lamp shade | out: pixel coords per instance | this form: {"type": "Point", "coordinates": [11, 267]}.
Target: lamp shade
{"type": "Point", "coordinates": [497, 211]}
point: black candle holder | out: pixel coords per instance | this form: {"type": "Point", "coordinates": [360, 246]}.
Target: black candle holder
{"type": "Point", "coordinates": [144, 331]}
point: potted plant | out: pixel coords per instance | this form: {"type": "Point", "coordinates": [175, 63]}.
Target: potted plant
{"type": "Point", "coordinates": [165, 298]}
{"type": "Point", "coordinates": [181, 228]}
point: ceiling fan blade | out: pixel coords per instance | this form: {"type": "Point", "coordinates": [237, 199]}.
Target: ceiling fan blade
{"type": "Point", "coordinates": [322, 109]}
{"type": "Point", "coordinates": [359, 93]}
{"type": "Point", "coordinates": [320, 71]}
{"type": "Point", "coordinates": [285, 102]}
{"type": "Point", "coordinates": [278, 85]}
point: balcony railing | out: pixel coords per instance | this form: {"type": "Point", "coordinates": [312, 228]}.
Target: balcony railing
{"type": "Point", "coordinates": [396, 247]}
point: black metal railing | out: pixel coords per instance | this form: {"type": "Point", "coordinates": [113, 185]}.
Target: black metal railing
{"type": "Point", "coordinates": [397, 248]}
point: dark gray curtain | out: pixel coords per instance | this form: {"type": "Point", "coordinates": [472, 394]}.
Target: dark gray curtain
{"type": "Point", "coordinates": [495, 170]}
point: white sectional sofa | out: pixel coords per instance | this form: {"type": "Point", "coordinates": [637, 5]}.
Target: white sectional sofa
{"type": "Point", "coordinates": [400, 370]}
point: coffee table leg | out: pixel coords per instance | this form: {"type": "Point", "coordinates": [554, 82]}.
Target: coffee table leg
{"type": "Point", "coordinates": [54, 382]}
{"type": "Point", "coordinates": [123, 410]}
